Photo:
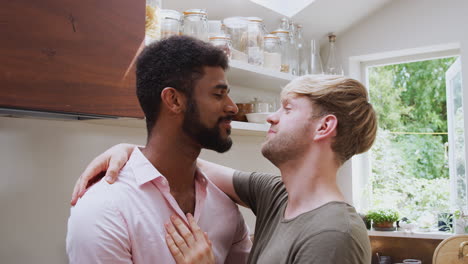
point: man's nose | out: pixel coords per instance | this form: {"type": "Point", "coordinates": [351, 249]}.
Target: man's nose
{"type": "Point", "coordinates": [231, 107]}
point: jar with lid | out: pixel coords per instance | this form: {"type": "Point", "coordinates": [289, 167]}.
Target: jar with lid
{"type": "Point", "coordinates": [272, 53]}
{"type": "Point", "coordinates": [195, 24]}
{"type": "Point", "coordinates": [236, 27]}
{"type": "Point", "coordinates": [170, 23]}
{"type": "Point", "coordinates": [223, 42]}
{"type": "Point", "coordinates": [152, 21]}
{"type": "Point", "coordinates": [255, 35]}
{"type": "Point", "coordinates": [283, 36]}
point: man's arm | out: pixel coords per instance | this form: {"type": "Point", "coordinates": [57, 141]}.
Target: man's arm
{"type": "Point", "coordinates": [114, 159]}
{"type": "Point", "coordinates": [222, 177]}
{"type": "Point", "coordinates": [97, 233]}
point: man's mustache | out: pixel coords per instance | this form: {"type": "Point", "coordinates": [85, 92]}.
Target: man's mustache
{"type": "Point", "coordinates": [226, 118]}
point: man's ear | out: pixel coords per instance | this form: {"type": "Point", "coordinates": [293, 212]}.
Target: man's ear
{"type": "Point", "coordinates": [173, 100]}
{"type": "Point", "coordinates": [326, 127]}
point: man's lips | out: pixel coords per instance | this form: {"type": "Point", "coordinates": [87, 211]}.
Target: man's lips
{"type": "Point", "coordinates": [226, 122]}
{"type": "Point", "coordinates": [271, 132]}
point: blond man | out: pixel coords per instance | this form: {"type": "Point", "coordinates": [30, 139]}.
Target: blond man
{"type": "Point", "coordinates": [302, 216]}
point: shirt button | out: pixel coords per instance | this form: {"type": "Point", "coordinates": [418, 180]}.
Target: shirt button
{"type": "Point", "coordinates": [164, 182]}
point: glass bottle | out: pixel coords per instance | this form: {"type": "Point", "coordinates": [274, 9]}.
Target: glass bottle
{"type": "Point", "coordinates": [272, 53]}
{"type": "Point", "coordinates": [170, 23]}
{"type": "Point", "coordinates": [196, 24]}
{"type": "Point", "coordinates": [284, 24]}
{"type": "Point", "coordinates": [223, 42]}
{"type": "Point", "coordinates": [255, 41]}
{"type": "Point", "coordinates": [333, 66]}
{"type": "Point", "coordinates": [294, 55]}
{"type": "Point", "coordinates": [152, 21]}
{"type": "Point", "coordinates": [315, 59]}
{"type": "Point", "coordinates": [303, 54]}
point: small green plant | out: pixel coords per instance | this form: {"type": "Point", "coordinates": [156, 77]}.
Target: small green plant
{"type": "Point", "coordinates": [383, 215]}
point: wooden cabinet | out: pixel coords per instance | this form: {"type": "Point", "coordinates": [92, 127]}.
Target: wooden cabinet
{"type": "Point", "coordinates": [71, 56]}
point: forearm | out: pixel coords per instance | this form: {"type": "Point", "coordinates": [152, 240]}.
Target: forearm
{"type": "Point", "coordinates": [221, 176]}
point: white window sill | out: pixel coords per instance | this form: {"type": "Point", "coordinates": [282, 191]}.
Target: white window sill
{"type": "Point", "coordinates": [414, 234]}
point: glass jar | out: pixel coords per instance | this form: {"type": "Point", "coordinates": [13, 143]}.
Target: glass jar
{"type": "Point", "coordinates": [214, 27]}
{"type": "Point", "coordinates": [255, 41]}
{"type": "Point", "coordinates": [272, 53]}
{"type": "Point", "coordinates": [170, 23]}
{"type": "Point", "coordinates": [152, 21]}
{"type": "Point", "coordinates": [283, 36]}
{"type": "Point", "coordinates": [196, 24]}
{"type": "Point", "coordinates": [223, 42]}
{"type": "Point", "coordinates": [236, 27]}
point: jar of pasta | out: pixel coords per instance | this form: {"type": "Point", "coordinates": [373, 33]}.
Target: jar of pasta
{"type": "Point", "coordinates": [152, 21]}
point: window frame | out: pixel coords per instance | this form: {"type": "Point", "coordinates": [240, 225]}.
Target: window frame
{"type": "Point", "coordinates": [358, 69]}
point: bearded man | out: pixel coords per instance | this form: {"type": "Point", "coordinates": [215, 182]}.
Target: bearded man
{"type": "Point", "coordinates": [182, 89]}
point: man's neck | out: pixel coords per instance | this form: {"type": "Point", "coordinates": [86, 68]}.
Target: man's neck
{"type": "Point", "coordinates": [310, 183]}
{"type": "Point", "coordinates": [175, 157]}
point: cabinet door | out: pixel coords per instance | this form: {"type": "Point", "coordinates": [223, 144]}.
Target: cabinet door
{"type": "Point", "coordinates": [71, 56]}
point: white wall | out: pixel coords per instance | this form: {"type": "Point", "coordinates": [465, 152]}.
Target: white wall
{"type": "Point", "coordinates": [40, 161]}
{"type": "Point", "coordinates": [407, 25]}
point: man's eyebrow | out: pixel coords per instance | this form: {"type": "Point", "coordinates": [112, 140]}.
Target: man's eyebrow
{"type": "Point", "coordinates": [223, 87]}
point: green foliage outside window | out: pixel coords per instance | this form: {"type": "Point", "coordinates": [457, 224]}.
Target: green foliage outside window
{"type": "Point", "coordinates": [409, 159]}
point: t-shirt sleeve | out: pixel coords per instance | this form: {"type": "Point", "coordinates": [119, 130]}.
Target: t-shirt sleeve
{"type": "Point", "coordinates": [254, 188]}
{"type": "Point", "coordinates": [331, 247]}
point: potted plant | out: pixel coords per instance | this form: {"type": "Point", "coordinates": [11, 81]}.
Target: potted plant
{"type": "Point", "coordinates": [383, 219]}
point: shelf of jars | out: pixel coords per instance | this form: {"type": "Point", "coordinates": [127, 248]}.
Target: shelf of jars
{"type": "Point", "coordinates": [238, 128]}
{"type": "Point", "coordinates": [256, 77]}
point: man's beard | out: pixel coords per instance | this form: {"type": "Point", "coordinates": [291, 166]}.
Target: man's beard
{"type": "Point", "coordinates": [209, 138]}
{"type": "Point", "coordinates": [283, 148]}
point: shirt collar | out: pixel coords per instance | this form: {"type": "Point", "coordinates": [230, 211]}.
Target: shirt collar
{"type": "Point", "coordinates": [145, 172]}
{"type": "Point", "coordinates": [142, 168]}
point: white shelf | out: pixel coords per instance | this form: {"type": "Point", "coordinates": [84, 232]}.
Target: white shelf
{"type": "Point", "coordinates": [415, 234]}
{"type": "Point", "coordinates": [249, 129]}
{"type": "Point", "coordinates": [238, 128]}
{"type": "Point", "coordinates": [256, 77]}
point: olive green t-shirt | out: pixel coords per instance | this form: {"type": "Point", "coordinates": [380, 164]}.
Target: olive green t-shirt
{"type": "Point", "coordinates": [331, 234]}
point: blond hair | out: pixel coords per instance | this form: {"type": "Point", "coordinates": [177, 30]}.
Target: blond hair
{"type": "Point", "coordinates": [348, 100]}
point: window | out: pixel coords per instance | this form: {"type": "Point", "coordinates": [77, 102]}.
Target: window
{"type": "Point", "coordinates": [417, 164]}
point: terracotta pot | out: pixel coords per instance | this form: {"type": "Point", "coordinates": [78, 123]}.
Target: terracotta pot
{"type": "Point", "coordinates": [383, 225]}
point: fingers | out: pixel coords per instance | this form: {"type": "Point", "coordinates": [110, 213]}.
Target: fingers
{"type": "Point", "coordinates": [178, 240]}
{"type": "Point", "coordinates": [197, 232]}
{"type": "Point", "coordinates": [183, 230]}
{"type": "Point", "coordinates": [75, 193]}
{"type": "Point", "coordinates": [205, 235]}
{"type": "Point", "coordinates": [116, 163]}
{"type": "Point", "coordinates": [176, 253]}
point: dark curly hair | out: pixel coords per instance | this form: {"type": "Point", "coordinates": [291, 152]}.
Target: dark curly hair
{"type": "Point", "coordinates": [175, 62]}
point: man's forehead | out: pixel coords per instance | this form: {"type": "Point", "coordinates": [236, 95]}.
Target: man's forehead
{"type": "Point", "coordinates": [287, 98]}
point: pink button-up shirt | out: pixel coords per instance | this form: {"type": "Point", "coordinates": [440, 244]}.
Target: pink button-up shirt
{"type": "Point", "coordinates": [124, 222]}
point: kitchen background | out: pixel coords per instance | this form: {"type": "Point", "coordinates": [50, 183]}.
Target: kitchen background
{"type": "Point", "coordinates": [41, 158]}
